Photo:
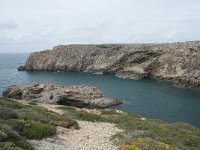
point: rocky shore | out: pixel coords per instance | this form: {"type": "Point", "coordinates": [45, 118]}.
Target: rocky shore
{"type": "Point", "coordinates": [28, 125]}
{"type": "Point", "coordinates": [78, 96]}
{"type": "Point", "coordinates": [175, 62]}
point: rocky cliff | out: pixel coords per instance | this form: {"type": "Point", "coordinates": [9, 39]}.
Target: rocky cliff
{"type": "Point", "coordinates": [175, 62]}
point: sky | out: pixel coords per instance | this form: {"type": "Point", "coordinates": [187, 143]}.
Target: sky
{"type": "Point", "coordinates": [35, 25]}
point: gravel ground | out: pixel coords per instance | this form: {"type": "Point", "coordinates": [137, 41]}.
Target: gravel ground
{"type": "Point", "coordinates": [90, 136]}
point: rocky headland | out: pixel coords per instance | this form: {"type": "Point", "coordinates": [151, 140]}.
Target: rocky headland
{"type": "Point", "coordinates": [78, 96]}
{"type": "Point", "coordinates": [175, 62]}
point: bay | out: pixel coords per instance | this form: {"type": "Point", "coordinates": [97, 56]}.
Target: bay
{"type": "Point", "coordinates": [149, 98]}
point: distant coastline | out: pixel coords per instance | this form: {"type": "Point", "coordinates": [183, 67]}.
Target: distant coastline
{"type": "Point", "coordinates": [174, 62]}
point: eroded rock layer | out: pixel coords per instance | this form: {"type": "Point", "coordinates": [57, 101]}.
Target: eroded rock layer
{"type": "Point", "coordinates": [78, 96]}
{"type": "Point", "coordinates": [175, 62]}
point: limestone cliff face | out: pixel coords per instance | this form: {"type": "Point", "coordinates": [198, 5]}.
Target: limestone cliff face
{"type": "Point", "coordinates": [175, 62]}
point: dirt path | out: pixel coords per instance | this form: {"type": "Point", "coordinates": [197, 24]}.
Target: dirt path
{"type": "Point", "coordinates": [90, 136]}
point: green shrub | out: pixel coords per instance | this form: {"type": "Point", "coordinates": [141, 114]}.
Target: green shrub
{"type": "Point", "coordinates": [12, 139]}
{"type": "Point", "coordinates": [3, 135]}
{"type": "Point", "coordinates": [38, 131]}
{"type": "Point", "coordinates": [129, 147]}
{"type": "Point", "coordinates": [31, 129]}
{"type": "Point", "coordinates": [40, 114]}
{"type": "Point", "coordinates": [82, 115]}
{"type": "Point", "coordinates": [8, 103]}
{"type": "Point", "coordinates": [146, 144]}
{"type": "Point", "coordinates": [9, 146]}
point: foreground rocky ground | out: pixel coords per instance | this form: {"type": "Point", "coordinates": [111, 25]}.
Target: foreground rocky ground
{"type": "Point", "coordinates": [28, 125]}
{"type": "Point", "coordinates": [90, 136]}
{"type": "Point", "coordinates": [175, 62]}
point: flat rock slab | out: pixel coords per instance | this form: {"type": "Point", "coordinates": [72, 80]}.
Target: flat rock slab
{"type": "Point", "coordinates": [78, 96]}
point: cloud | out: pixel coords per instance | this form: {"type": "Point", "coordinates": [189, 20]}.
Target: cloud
{"type": "Point", "coordinates": [8, 24]}
{"type": "Point", "coordinates": [172, 34]}
{"type": "Point", "coordinates": [41, 24]}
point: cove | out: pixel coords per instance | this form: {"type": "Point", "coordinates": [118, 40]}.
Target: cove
{"type": "Point", "coordinates": [149, 98]}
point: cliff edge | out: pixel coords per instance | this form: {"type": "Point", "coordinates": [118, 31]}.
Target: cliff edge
{"type": "Point", "coordinates": [175, 62]}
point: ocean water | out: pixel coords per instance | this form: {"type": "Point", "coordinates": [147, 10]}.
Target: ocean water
{"type": "Point", "coordinates": [149, 98]}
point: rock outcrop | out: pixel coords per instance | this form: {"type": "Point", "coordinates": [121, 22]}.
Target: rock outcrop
{"type": "Point", "coordinates": [78, 96]}
{"type": "Point", "coordinates": [175, 62]}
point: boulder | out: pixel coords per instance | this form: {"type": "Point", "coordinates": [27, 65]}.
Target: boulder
{"type": "Point", "coordinates": [21, 68]}
{"type": "Point", "coordinates": [13, 91]}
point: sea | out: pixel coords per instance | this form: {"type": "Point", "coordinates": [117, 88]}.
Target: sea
{"type": "Point", "coordinates": [148, 97]}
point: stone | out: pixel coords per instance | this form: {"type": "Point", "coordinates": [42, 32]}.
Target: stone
{"type": "Point", "coordinates": [13, 91]}
{"type": "Point", "coordinates": [135, 72]}
{"type": "Point", "coordinates": [21, 68]}
{"type": "Point", "coordinates": [78, 96]}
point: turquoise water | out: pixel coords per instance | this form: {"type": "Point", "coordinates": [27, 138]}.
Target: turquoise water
{"type": "Point", "coordinates": [149, 98]}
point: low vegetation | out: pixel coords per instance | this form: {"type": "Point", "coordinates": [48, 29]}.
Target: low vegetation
{"type": "Point", "coordinates": [19, 122]}
{"type": "Point", "coordinates": [145, 134]}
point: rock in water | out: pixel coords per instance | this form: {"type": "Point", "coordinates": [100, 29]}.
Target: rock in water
{"type": "Point", "coordinates": [21, 68]}
{"type": "Point", "coordinates": [175, 62]}
{"type": "Point", "coordinates": [78, 96]}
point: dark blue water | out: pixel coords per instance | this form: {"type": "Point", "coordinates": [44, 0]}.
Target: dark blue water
{"type": "Point", "coordinates": [150, 98]}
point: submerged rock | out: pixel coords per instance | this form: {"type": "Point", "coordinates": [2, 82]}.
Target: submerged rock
{"type": "Point", "coordinates": [78, 96]}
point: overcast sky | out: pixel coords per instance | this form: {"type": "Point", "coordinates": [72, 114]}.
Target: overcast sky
{"type": "Point", "coordinates": [33, 25]}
